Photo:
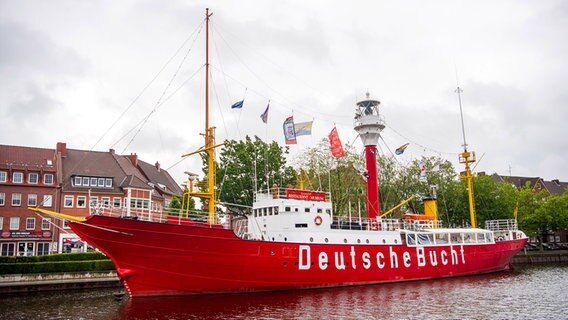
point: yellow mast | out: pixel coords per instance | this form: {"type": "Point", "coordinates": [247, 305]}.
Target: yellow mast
{"type": "Point", "coordinates": [467, 157]}
{"type": "Point", "coordinates": [209, 148]}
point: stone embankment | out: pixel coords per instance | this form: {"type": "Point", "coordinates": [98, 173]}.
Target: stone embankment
{"type": "Point", "coordinates": [57, 281]}
{"type": "Point", "coordinates": [547, 256]}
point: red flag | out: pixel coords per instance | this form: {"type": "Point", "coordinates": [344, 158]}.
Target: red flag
{"type": "Point", "coordinates": [335, 144]}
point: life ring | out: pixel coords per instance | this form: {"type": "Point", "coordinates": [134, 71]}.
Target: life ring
{"type": "Point", "coordinates": [318, 220]}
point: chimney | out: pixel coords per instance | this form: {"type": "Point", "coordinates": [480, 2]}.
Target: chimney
{"type": "Point", "coordinates": [62, 149]}
{"type": "Point", "coordinates": [556, 181]}
{"type": "Point", "coordinates": [134, 159]}
{"type": "Point", "coordinates": [157, 166]}
{"type": "Point", "coordinates": [111, 150]}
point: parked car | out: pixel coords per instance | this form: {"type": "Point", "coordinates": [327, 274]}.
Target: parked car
{"type": "Point", "coordinates": [532, 247]}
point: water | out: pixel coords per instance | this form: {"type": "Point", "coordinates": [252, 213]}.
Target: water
{"type": "Point", "coordinates": [531, 292]}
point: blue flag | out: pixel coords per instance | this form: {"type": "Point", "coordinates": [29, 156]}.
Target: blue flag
{"type": "Point", "coordinates": [400, 150]}
{"type": "Point", "coordinates": [238, 105]}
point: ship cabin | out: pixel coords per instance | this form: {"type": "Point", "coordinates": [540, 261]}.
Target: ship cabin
{"type": "Point", "coordinates": [302, 216]}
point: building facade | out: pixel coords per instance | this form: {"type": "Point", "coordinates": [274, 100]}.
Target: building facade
{"type": "Point", "coordinates": [73, 182]}
{"type": "Point", "coordinates": [28, 178]}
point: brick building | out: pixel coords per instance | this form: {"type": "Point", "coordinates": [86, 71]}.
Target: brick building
{"type": "Point", "coordinates": [28, 178]}
{"type": "Point", "coordinates": [74, 182]}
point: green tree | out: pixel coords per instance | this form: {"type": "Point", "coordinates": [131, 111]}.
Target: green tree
{"type": "Point", "coordinates": [247, 165]}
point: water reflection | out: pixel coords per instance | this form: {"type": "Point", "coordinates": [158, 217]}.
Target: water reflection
{"type": "Point", "coordinates": [527, 293]}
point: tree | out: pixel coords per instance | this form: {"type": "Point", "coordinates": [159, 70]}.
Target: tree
{"type": "Point", "coordinates": [249, 165]}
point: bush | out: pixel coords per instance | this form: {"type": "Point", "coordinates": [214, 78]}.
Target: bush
{"type": "Point", "coordinates": [79, 256]}
{"type": "Point", "coordinates": [68, 262]}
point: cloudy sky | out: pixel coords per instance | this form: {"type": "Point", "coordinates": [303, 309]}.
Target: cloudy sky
{"type": "Point", "coordinates": [129, 75]}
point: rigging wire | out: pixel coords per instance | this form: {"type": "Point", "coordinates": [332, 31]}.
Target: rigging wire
{"type": "Point", "coordinates": [196, 31]}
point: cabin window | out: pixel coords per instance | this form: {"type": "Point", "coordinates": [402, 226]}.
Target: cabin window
{"type": "Point", "coordinates": [306, 209]}
{"type": "Point", "coordinates": [275, 211]}
{"type": "Point", "coordinates": [328, 211]}
{"type": "Point", "coordinates": [441, 238]}
{"type": "Point", "coordinates": [410, 238]}
{"type": "Point", "coordinates": [320, 210]}
{"type": "Point", "coordinates": [424, 238]}
{"type": "Point", "coordinates": [456, 238]}
{"type": "Point", "coordinates": [296, 210]}
{"type": "Point", "coordinates": [270, 211]}
{"type": "Point", "coordinates": [301, 225]}
{"type": "Point", "coordinates": [287, 209]}
{"type": "Point", "coordinates": [264, 212]}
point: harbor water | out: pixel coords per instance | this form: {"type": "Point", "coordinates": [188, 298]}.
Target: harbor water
{"type": "Point", "coordinates": [528, 292]}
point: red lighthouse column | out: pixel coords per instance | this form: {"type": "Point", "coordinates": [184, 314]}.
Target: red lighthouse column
{"type": "Point", "coordinates": [373, 208]}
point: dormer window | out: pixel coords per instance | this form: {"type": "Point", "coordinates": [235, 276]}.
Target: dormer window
{"type": "Point", "coordinates": [17, 177]}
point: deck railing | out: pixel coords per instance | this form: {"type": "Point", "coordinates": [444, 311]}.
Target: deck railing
{"type": "Point", "coordinates": [502, 225]}
{"type": "Point", "coordinates": [291, 193]}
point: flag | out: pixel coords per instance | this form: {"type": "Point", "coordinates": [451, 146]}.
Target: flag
{"type": "Point", "coordinates": [335, 144]}
{"type": "Point", "coordinates": [238, 105]}
{"type": "Point", "coordinates": [423, 176]}
{"type": "Point", "coordinates": [264, 115]}
{"type": "Point", "coordinates": [289, 133]}
{"type": "Point", "coordinates": [400, 150]}
{"type": "Point", "coordinates": [303, 128]}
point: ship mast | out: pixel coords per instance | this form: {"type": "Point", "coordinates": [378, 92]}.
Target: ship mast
{"type": "Point", "coordinates": [467, 158]}
{"type": "Point", "coordinates": [369, 124]}
{"type": "Point", "coordinates": [209, 147]}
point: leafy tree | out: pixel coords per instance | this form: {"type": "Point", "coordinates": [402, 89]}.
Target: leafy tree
{"type": "Point", "coordinates": [245, 166]}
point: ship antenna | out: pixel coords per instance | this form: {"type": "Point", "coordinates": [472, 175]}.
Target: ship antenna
{"type": "Point", "coordinates": [467, 157]}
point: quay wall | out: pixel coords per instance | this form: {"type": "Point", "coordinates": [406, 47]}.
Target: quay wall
{"type": "Point", "coordinates": [13, 283]}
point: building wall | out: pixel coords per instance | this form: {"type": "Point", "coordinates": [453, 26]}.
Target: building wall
{"type": "Point", "coordinates": [23, 231]}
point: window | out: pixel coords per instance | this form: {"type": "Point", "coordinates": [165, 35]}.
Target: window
{"type": "Point", "coordinates": [106, 202]}
{"type": "Point", "coordinates": [32, 200]}
{"type": "Point", "coordinates": [17, 177]}
{"type": "Point", "coordinates": [1, 223]}
{"type": "Point", "coordinates": [30, 223]}
{"type": "Point", "coordinates": [93, 182]}
{"type": "Point", "coordinates": [43, 248]}
{"type": "Point", "coordinates": [108, 183]}
{"type": "Point", "coordinates": [116, 202]}
{"type": "Point", "coordinates": [46, 224]}
{"type": "Point", "coordinates": [68, 201]}
{"type": "Point", "coordinates": [93, 202]}
{"type": "Point", "coordinates": [2, 198]}
{"type": "Point", "coordinates": [16, 199]}
{"type": "Point", "coordinates": [8, 249]}
{"type": "Point", "coordinates": [48, 178]}
{"type": "Point", "coordinates": [47, 200]}
{"type": "Point", "coordinates": [77, 181]}
{"type": "Point", "coordinates": [101, 182]}
{"type": "Point", "coordinates": [81, 201]}
{"type": "Point", "coordinates": [2, 176]}
{"type": "Point", "coordinates": [85, 181]}
{"type": "Point", "coordinates": [14, 223]}
{"type": "Point", "coordinates": [33, 178]}
{"type": "Point", "coordinates": [66, 224]}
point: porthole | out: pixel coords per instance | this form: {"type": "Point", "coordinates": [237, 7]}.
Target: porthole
{"type": "Point", "coordinates": [285, 239]}
{"type": "Point", "coordinates": [326, 240]}
{"type": "Point", "coordinates": [311, 239]}
{"type": "Point", "coordinates": [384, 241]}
{"type": "Point", "coordinates": [272, 238]}
{"type": "Point", "coordinates": [358, 240]}
{"type": "Point", "coordinates": [395, 241]}
{"type": "Point", "coordinates": [367, 240]}
{"type": "Point", "coordinates": [345, 240]}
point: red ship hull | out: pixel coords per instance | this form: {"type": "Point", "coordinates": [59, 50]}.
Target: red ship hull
{"type": "Point", "coordinates": [160, 259]}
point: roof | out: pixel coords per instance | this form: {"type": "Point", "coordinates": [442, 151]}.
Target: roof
{"type": "Point", "coordinates": [162, 180]}
{"type": "Point", "coordinates": [554, 187]}
{"type": "Point", "coordinates": [22, 158]}
{"type": "Point", "coordinates": [92, 164]}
